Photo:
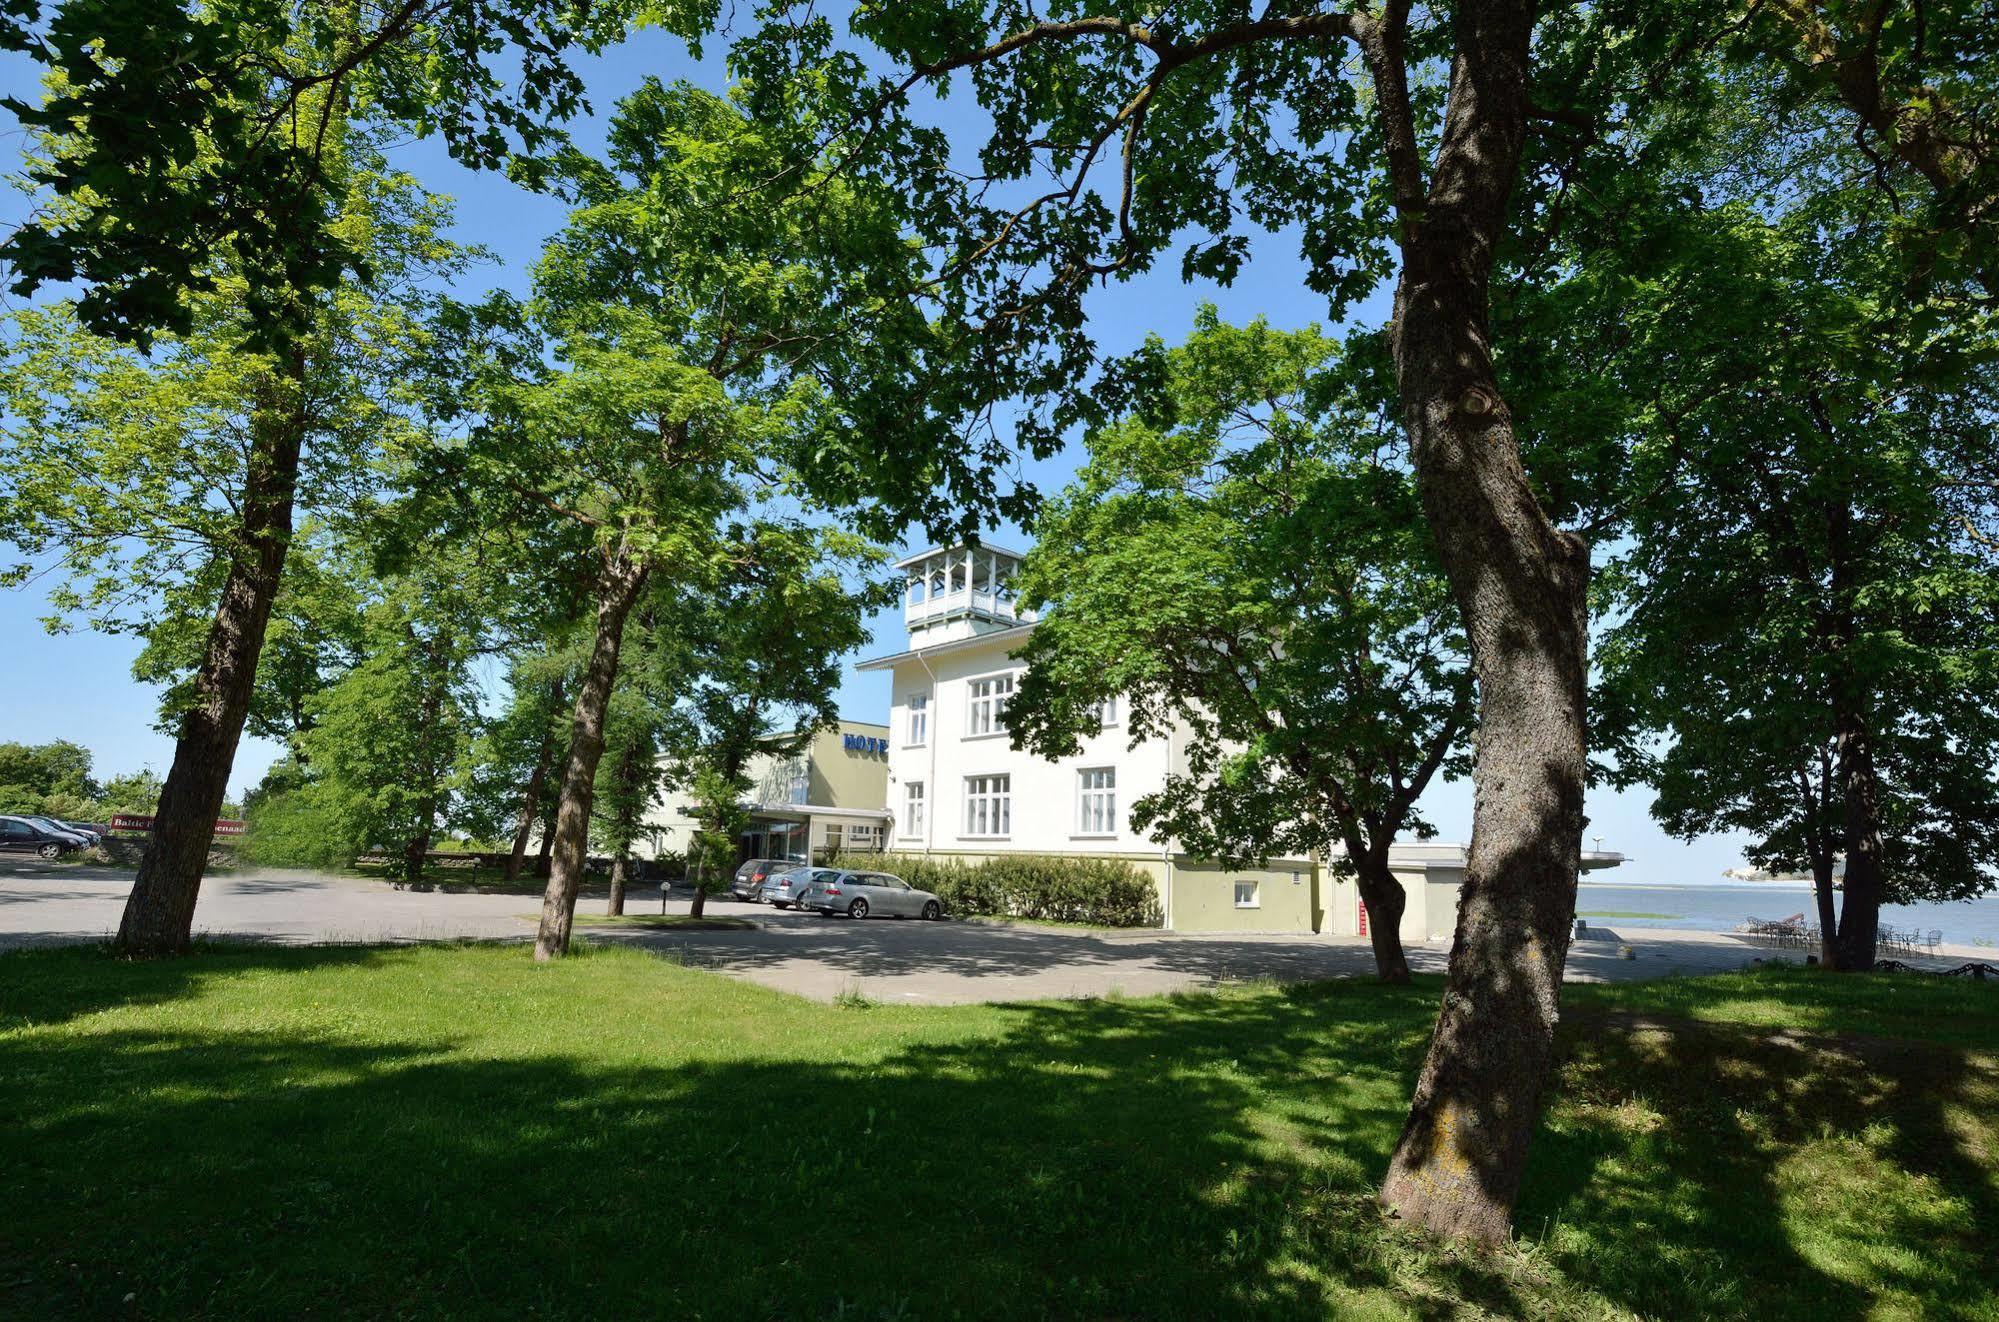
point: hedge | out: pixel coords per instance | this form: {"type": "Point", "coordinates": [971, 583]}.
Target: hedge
{"type": "Point", "coordinates": [1103, 892]}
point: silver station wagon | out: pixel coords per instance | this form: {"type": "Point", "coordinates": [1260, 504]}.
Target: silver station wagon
{"type": "Point", "coordinates": [869, 895]}
{"type": "Point", "coordinates": [783, 889]}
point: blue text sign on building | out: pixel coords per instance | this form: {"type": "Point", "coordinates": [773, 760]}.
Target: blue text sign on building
{"type": "Point", "coordinates": [864, 743]}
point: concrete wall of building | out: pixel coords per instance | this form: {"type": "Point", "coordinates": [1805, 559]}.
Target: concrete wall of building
{"type": "Point", "coordinates": [1443, 888]}
{"type": "Point", "coordinates": [1282, 898]}
{"type": "Point", "coordinates": [849, 777]}
{"type": "Point", "coordinates": [1431, 913]}
{"type": "Point", "coordinates": [830, 774]}
{"type": "Point", "coordinates": [958, 637]}
{"type": "Point", "coordinates": [1045, 795]}
{"type": "Point", "coordinates": [1045, 804]}
{"type": "Point", "coordinates": [1197, 896]}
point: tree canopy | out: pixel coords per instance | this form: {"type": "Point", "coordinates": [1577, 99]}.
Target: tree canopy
{"type": "Point", "coordinates": [1242, 564]}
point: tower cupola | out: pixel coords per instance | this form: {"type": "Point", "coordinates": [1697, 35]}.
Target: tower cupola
{"type": "Point", "coordinates": [958, 591]}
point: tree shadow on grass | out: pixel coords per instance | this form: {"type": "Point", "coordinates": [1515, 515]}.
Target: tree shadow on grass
{"type": "Point", "coordinates": [1695, 1169]}
{"type": "Point", "coordinates": [1098, 1158]}
{"type": "Point", "coordinates": [1196, 1156]}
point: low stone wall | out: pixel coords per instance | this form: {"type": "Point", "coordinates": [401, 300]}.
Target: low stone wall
{"type": "Point", "coordinates": [124, 851]}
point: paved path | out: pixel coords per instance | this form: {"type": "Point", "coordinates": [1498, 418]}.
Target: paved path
{"type": "Point", "coordinates": [42, 903]}
{"type": "Point", "coordinates": [914, 962]}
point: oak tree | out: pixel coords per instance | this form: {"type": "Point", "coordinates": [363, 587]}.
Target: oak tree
{"type": "Point", "coordinates": [1391, 141]}
{"type": "Point", "coordinates": [161, 489]}
{"type": "Point", "coordinates": [1242, 564]}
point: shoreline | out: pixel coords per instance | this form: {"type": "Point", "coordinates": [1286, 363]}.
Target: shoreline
{"type": "Point", "coordinates": [1948, 953]}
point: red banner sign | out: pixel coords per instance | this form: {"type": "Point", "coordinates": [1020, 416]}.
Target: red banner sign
{"type": "Point", "coordinates": [132, 821]}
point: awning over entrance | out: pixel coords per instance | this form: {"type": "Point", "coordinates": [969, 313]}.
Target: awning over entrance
{"type": "Point", "coordinates": [810, 832]}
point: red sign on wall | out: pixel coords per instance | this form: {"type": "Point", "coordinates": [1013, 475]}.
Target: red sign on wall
{"type": "Point", "coordinates": [1363, 916]}
{"type": "Point", "coordinates": [132, 821]}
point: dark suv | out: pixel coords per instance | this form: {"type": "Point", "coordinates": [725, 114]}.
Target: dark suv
{"type": "Point", "coordinates": [751, 876]}
{"type": "Point", "coordinates": [18, 835]}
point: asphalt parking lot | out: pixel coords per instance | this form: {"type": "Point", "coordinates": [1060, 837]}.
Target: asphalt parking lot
{"type": "Point", "coordinates": [887, 960]}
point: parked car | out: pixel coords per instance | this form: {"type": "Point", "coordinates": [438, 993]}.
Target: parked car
{"type": "Point", "coordinates": [782, 889]}
{"type": "Point", "coordinates": [89, 835]}
{"type": "Point", "coordinates": [21, 835]}
{"type": "Point", "coordinates": [751, 875]}
{"type": "Point", "coordinates": [869, 894]}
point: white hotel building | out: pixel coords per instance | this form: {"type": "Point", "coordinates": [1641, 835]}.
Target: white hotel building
{"type": "Point", "coordinates": [957, 787]}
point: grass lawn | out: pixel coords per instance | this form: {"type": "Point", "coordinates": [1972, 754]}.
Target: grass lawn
{"type": "Point", "coordinates": [451, 1130]}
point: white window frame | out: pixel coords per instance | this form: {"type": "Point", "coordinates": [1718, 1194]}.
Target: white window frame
{"type": "Point", "coordinates": [919, 720]}
{"type": "Point", "coordinates": [989, 806]}
{"type": "Point", "coordinates": [915, 801]}
{"type": "Point", "coordinates": [1255, 900]}
{"type": "Point", "coordinates": [1096, 802]}
{"type": "Point", "coordinates": [986, 700]}
{"type": "Point", "coordinates": [1110, 713]}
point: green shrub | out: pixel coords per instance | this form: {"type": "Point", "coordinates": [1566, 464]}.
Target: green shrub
{"type": "Point", "coordinates": [294, 828]}
{"type": "Point", "coordinates": [1104, 892]}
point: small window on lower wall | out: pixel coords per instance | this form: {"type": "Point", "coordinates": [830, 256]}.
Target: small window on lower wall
{"type": "Point", "coordinates": [1246, 896]}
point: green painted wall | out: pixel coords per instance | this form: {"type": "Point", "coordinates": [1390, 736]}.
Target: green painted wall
{"type": "Point", "coordinates": [845, 777]}
{"type": "Point", "coordinates": [1204, 898]}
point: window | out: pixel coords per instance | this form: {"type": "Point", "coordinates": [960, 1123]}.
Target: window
{"type": "Point", "coordinates": [1109, 712]}
{"type": "Point", "coordinates": [988, 700]}
{"type": "Point", "coordinates": [919, 718]}
{"type": "Point", "coordinates": [836, 838]}
{"type": "Point", "coordinates": [988, 805]}
{"type": "Point", "coordinates": [800, 789]}
{"type": "Point", "coordinates": [912, 808]}
{"type": "Point", "coordinates": [1096, 801]}
{"type": "Point", "coordinates": [1246, 897]}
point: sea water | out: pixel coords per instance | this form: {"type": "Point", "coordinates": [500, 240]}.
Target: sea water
{"type": "Point", "coordinates": [1723, 906]}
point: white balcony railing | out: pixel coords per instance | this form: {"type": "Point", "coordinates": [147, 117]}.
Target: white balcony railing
{"type": "Point", "coordinates": [994, 605]}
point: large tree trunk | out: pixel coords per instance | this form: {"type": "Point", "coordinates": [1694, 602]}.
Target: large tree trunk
{"type": "Point", "coordinates": [631, 775]}
{"type": "Point", "coordinates": [436, 683]}
{"type": "Point", "coordinates": [415, 851]}
{"type": "Point", "coordinates": [531, 797]}
{"type": "Point", "coordinates": [159, 912]}
{"type": "Point", "coordinates": [621, 864]}
{"type": "Point", "coordinates": [1860, 786]}
{"type": "Point", "coordinates": [1859, 780]}
{"type": "Point", "coordinates": [542, 864]}
{"type": "Point", "coordinates": [1819, 853]}
{"type": "Point", "coordinates": [1386, 902]}
{"type": "Point", "coordinates": [700, 904]}
{"type": "Point", "coordinates": [1519, 583]}
{"type": "Point", "coordinates": [1828, 914]}
{"type": "Point", "coordinates": [623, 578]}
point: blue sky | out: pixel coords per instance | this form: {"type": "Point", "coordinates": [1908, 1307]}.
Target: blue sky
{"type": "Point", "coordinates": [78, 685]}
